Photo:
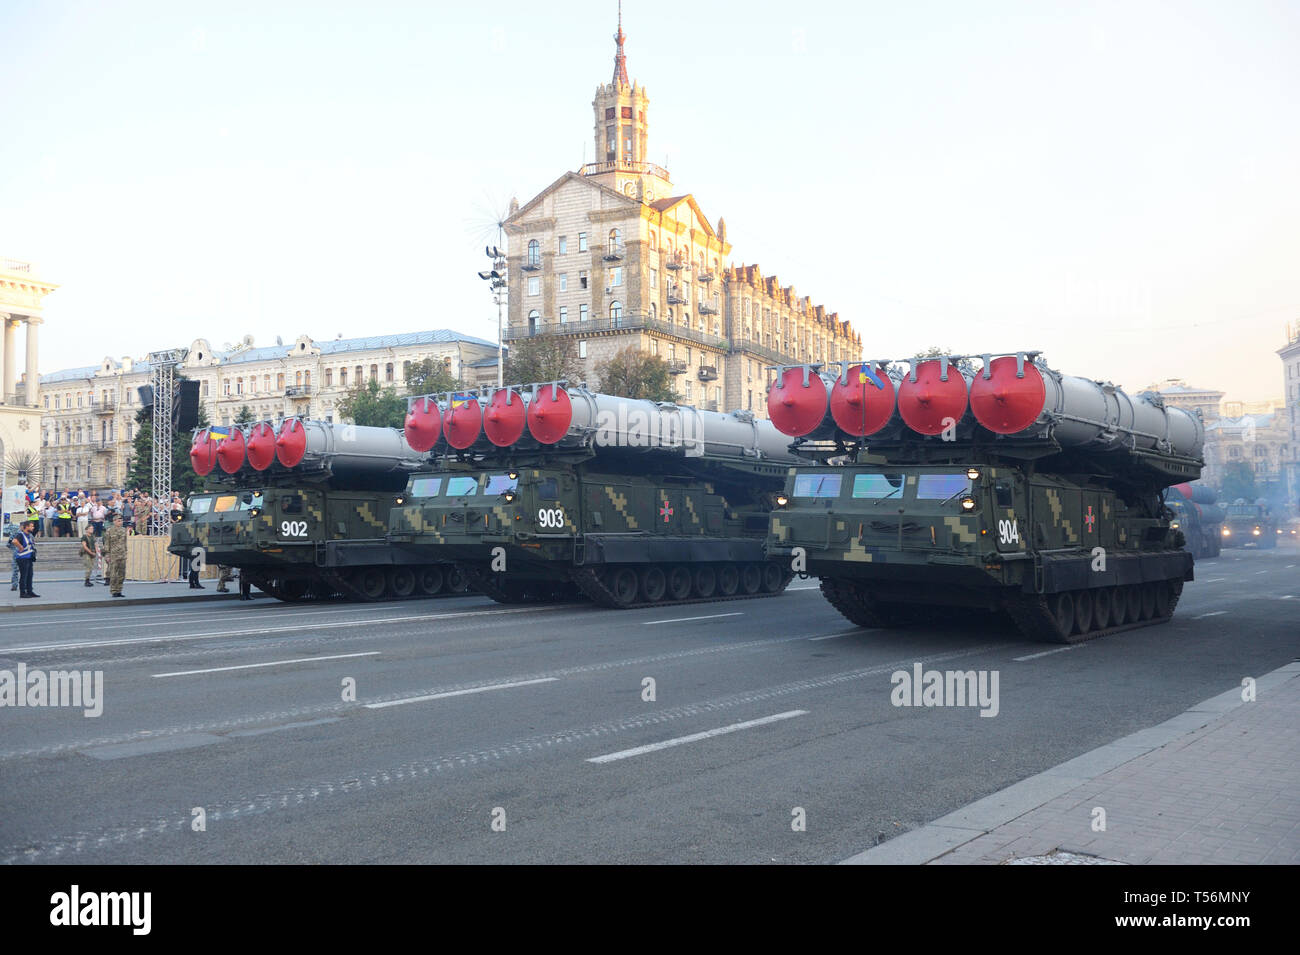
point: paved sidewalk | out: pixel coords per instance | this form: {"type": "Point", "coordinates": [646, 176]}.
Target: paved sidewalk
{"type": "Point", "coordinates": [1217, 784]}
{"type": "Point", "coordinates": [62, 592]}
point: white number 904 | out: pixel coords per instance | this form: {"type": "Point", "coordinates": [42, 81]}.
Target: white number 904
{"type": "Point", "coordinates": [293, 528]}
{"type": "Point", "coordinates": [550, 517]}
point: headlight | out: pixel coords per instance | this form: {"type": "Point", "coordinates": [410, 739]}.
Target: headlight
{"type": "Point", "coordinates": [1255, 532]}
{"type": "Point", "coordinates": [400, 499]}
{"type": "Point", "coordinates": [509, 496]}
{"type": "Point", "coordinates": [1174, 525]}
{"type": "Point", "coordinates": [968, 503]}
{"type": "Point", "coordinates": [254, 511]}
{"type": "Point", "coordinates": [973, 474]}
{"type": "Point", "coordinates": [513, 475]}
{"type": "Point", "coordinates": [782, 500]}
{"type": "Point", "coordinates": [1227, 533]}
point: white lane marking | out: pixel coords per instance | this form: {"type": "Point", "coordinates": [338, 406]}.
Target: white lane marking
{"type": "Point", "coordinates": [694, 737]}
{"type": "Point", "coordinates": [1213, 580]}
{"type": "Point", "coordinates": [850, 633]}
{"type": "Point", "coordinates": [1212, 613]}
{"type": "Point", "coordinates": [1258, 572]}
{"type": "Point", "coordinates": [1289, 566]}
{"type": "Point", "coordinates": [1287, 597]}
{"type": "Point", "coordinates": [1048, 653]}
{"type": "Point", "coordinates": [806, 587]}
{"type": "Point", "coordinates": [287, 616]}
{"type": "Point", "coordinates": [261, 630]}
{"type": "Point", "coordinates": [273, 663]}
{"type": "Point", "coordinates": [443, 696]}
{"type": "Point", "coordinates": [654, 623]}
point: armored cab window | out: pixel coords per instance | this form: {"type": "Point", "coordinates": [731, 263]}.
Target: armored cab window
{"type": "Point", "coordinates": [940, 487]}
{"type": "Point", "coordinates": [548, 489]}
{"type": "Point", "coordinates": [426, 486]}
{"type": "Point", "coordinates": [462, 486]}
{"type": "Point", "coordinates": [200, 505]}
{"type": "Point", "coordinates": [499, 484]}
{"type": "Point", "coordinates": [290, 504]}
{"type": "Point", "coordinates": [1002, 493]}
{"type": "Point", "coordinates": [877, 485]}
{"type": "Point", "coordinates": [249, 500]}
{"type": "Point", "coordinates": [817, 485]}
{"type": "Point", "coordinates": [226, 502]}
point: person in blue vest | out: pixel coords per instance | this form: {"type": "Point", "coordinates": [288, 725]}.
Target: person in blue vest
{"type": "Point", "coordinates": [25, 552]}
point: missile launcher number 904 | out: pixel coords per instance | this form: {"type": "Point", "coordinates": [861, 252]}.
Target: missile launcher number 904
{"type": "Point", "coordinates": [988, 483]}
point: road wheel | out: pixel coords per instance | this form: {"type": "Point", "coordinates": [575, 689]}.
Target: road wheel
{"type": "Point", "coordinates": [623, 585]}
{"type": "Point", "coordinates": [373, 583]}
{"type": "Point", "coordinates": [1118, 607]}
{"type": "Point", "coordinates": [705, 581]}
{"type": "Point", "coordinates": [455, 581]}
{"type": "Point", "coordinates": [294, 589]}
{"type": "Point", "coordinates": [751, 578]}
{"type": "Point", "coordinates": [429, 581]}
{"type": "Point", "coordinates": [1062, 607]}
{"type": "Point", "coordinates": [679, 582]}
{"type": "Point", "coordinates": [773, 578]}
{"type": "Point", "coordinates": [653, 583]}
{"type": "Point", "coordinates": [728, 579]}
{"type": "Point", "coordinates": [402, 581]}
{"type": "Point", "coordinates": [1162, 602]}
{"type": "Point", "coordinates": [1132, 602]}
{"type": "Point", "coordinates": [1103, 607]}
{"type": "Point", "coordinates": [1147, 594]}
{"type": "Point", "coordinates": [1082, 611]}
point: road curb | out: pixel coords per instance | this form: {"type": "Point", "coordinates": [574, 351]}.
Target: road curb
{"type": "Point", "coordinates": [981, 817]}
{"type": "Point", "coordinates": [115, 602]}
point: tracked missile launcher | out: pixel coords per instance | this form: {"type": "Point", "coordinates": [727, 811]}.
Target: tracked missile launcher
{"type": "Point", "coordinates": [544, 492]}
{"type": "Point", "coordinates": [1197, 517]}
{"type": "Point", "coordinates": [986, 483]}
{"type": "Point", "coordinates": [303, 512]}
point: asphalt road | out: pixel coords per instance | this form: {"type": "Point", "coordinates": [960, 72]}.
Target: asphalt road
{"type": "Point", "coordinates": [467, 713]}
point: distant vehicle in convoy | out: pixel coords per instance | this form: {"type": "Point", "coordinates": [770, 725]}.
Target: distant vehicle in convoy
{"type": "Point", "coordinates": [541, 493]}
{"type": "Point", "coordinates": [303, 513]}
{"type": "Point", "coordinates": [1004, 488]}
{"type": "Point", "coordinates": [1197, 517]}
{"type": "Point", "coordinates": [1249, 524]}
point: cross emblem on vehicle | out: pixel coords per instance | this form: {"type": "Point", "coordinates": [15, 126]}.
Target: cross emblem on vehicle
{"type": "Point", "coordinates": [666, 511]}
{"type": "Point", "coordinates": [1090, 518]}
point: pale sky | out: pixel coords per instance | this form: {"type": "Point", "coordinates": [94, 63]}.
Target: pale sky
{"type": "Point", "coordinates": [1113, 183]}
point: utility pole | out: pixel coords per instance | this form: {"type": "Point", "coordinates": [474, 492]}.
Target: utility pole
{"type": "Point", "coordinates": [496, 277]}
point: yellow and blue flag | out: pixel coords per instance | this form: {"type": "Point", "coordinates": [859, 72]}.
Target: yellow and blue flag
{"type": "Point", "coordinates": [217, 434]}
{"type": "Point", "coordinates": [460, 401]}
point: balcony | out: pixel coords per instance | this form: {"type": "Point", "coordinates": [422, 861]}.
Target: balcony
{"type": "Point", "coordinates": [298, 391]}
{"type": "Point", "coordinates": [676, 366]}
{"type": "Point", "coordinates": [104, 405]}
{"type": "Point", "coordinates": [704, 274]}
{"type": "Point", "coordinates": [707, 308]}
{"type": "Point", "coordinates": [676, 262]}
{"type": "Point", "coordinates": [628, 322]}
{"type": "Point", "coordinates": [531, 264]}
{"type": "Point", "coordinates": [624, 165]}
{"type": "Point", "coordinates": [708, 373]}
{"type": "Point", "coordinates": [614, 252]}
{"type": "Point", "coordinates": [770, 355]}
{"type": "Point", "coordinates": [104, 447]}
{"type": "Point", "coordinates": [676, 296]}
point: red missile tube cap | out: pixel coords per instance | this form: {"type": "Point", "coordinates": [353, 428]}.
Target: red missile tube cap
{"type": "Point", "coordinates": [291, 445]}
{"type": "Point", "coordinates": [261, 446]}
{"type": "Point", "coordinates": [1184, 489]}
{"type": "Point", "coordinates": [230, 451]}
{"type": "Point", "coordinates": [865, 404]}
{"type": "Point", "coordinates": [505, 417]}
{"type": "Point", "coordinates": [549, 414]}
{"type": "Point", "coordinates": [1004, 403]}
{"type": "Point", "coordinates": [423, 424]}
{"type": "Point", "coordinates": [925, 404]}
{"type": "Point", "coordinates": [463, 422]}
{"type": "Point", "coordinates": [796, 408]}
{"type": "Point", "coordinates": [203, 454]}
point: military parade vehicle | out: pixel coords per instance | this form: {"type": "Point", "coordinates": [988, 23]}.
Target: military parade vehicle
{"type": "Point", "coordinates": [1250, 524]}
{"type": "Point", "coordinates": [949, 488]}
{"type": "Point", "coordinates": [303, 512]}
{"type": "Point", "coordinates": [544, 492]}
{"type": "Point", "coordinates": [1198, 517]}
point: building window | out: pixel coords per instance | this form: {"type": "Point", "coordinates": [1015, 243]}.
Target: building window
{"type": "Point", "coordinates": [47, 401]}
{"type": "Point", "coordinates": [130, 431]}
{"type": "Point", "coordinates": [374, 372]}
{"type": "Point", "coordinates": [616, 312]}
{"type": "Point", "coordinates": [616, 276]}
{"type": "Point", "coordinates": [582, 280]}
{"type": "Point", "coordinates": [582, 242]}
{"type": "Point", "coordinates": [564, 314]}
{"type": "Point", "coordinates": [534, 319]}
{"type": "Point", "coordinates": [688, 390]}
{"type": "Point", "coordinates": [652, 311]}
{"type": "Point", "coordinates": [343, 377]}
{"type": "Point", "coordinates": [564, 281]}
{"type": "Point", "coordinates": [564, 245]}
{"type": "Point", "coordinates": [78, 401]}
{"type": "Point", "coordinates": [297, 379]}
{"type": "Point", "coordinates": [359, 374]}
{"type": "Point", "coordinates": [225, 387]}
{"type": "Point", "coordinates": [266, 382]}
{"type": "Point", "coordinates": [534, 253]}
{"type": "Point", "coordinates": [534, 285]}
{"type": "Point", "coordinates": [654, 346]}
{"type": "Point", "coordinates": [654, 278]}
{"type": "Point", "coordinates": [652, 242]}
{"type": "Point", "coordinates": [279, 382]}
{"type": "Point", "coordinates": [239, 386]}
{"type": "Point", "coordinates": [582, 312]}
{"type": "Point", "coordinates": [582, 348]}
{"type": "Point", "coordinates": [329, 377]}
{"type": "Point", "coordinates": [388, 372]}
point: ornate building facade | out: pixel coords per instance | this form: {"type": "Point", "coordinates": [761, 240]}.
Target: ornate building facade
{"type": "Point", "coordinates": [612, 256]}
{"type": "Point", "coordinates": [22, 297]}
{"type": "Point", "coordinates": [88, 415]}
{"type": "Point", "coordinates": [1290, 355]}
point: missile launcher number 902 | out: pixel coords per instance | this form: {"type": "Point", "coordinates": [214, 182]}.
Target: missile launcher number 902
{"type": "Point", "coordinates": [987, 483]}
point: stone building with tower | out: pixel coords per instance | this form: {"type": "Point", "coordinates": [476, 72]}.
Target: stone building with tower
{"type": "Point", "coordinates": [1289, 416]}
{"type": "Point", "coordinates": [614, 255]}
{"type": "Point", "coordinates": [22, 296]}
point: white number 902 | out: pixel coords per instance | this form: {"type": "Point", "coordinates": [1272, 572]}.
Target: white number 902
{"type": "Point", "coordinates": [550, 517]}
{"type": "Point", "coordinates": [293, 528]}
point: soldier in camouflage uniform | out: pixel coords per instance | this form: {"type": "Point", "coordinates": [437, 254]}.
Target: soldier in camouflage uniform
{"type": "Point", "coordinates": [115, 554]}
{"type": "Point", "coordinates": [89, 551]}
{"type": "Point", "coordinates": [226, 575]}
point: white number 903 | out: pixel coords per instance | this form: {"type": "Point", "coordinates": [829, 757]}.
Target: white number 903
{"type": "Point", "coordinates": [550, 517]}
{"type": "Point", "coordinates": [293, 528]}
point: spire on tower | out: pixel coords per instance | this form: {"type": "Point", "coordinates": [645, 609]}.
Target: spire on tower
{"type": "Point", "coordinates": [620, 59]}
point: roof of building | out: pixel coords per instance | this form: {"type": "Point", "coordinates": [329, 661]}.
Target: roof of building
{"type": "Point", "coordinates": [69, 374]}
{"type": "Point", "coordinates": [1261, 421]}
{"type": "Point", "coordinates": [1182, 388]}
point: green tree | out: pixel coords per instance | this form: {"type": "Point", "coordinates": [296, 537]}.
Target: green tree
{"type": "Point", "coordinates": [369, 405]}
{"type": "Point", "coordinates": [430, 377]}
{"type": "Point", "coordinates": [1238, 481]}
{"type": "Point", "coordinates": [633, 373]}
{"type": "Point", "coordinates": [543, 358]}
{"type": "Point", "coordinates": [245, 416]}
{"type": "Point", "coordinates": [139, 474]}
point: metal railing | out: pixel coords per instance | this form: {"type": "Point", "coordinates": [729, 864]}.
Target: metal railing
{"type": "Point", "coordinates": [628, 322]}
{"type": "Point", "coordinates": [771, 355]}
{"type": "Point", "coordinates": [531, 264]}
{"type": "Point", "coordinates": [623, 165]}
{"type": "Point", "coordinates": [707, 308]}
{"type": "Point", "coordinates": [676, 366]}
{"type": "Point", "coordinates": [614, 252]}
{"type": "Point", "coordinates": [676, 262]}
{"type": "Point", "coordinates": [708, 373]}
{"type": "Point", "coordinates": [676, 296]}
{"type": "Point", "coordinates": [14, 265]}
{"type": "Point", "coordinates": [103, 405]}
{"type": "Point", "coordinates": [297, 391]}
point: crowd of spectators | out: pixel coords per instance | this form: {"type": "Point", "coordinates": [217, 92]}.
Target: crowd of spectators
{"type": "Point", "coordinates": [69, 513]}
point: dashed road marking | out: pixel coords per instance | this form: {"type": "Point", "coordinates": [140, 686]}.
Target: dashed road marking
{"type": "Point", "coordinates": [443, 696]}
{"type": "Point", "coordinates": [695, 737]}
{"type": "Point", "coordinates": [1212, 613]}
{"type": "Point", "coordinates": [1048, 653]}
{"type": "Point", "coordinates": [271, 663]}
{"type": "Point", "coordinates": [711, 616]}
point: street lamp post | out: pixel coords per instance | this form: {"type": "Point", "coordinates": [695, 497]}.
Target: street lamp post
{"type": "Point", "coordinates": [496, 277]}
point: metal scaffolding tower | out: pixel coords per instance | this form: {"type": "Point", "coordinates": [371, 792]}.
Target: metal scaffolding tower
{"type": "Point", "coordinates": [163, 365]}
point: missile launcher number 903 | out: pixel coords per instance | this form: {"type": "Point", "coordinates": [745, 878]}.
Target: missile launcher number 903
{"type": "Point", "coordinates": [986, 483]}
